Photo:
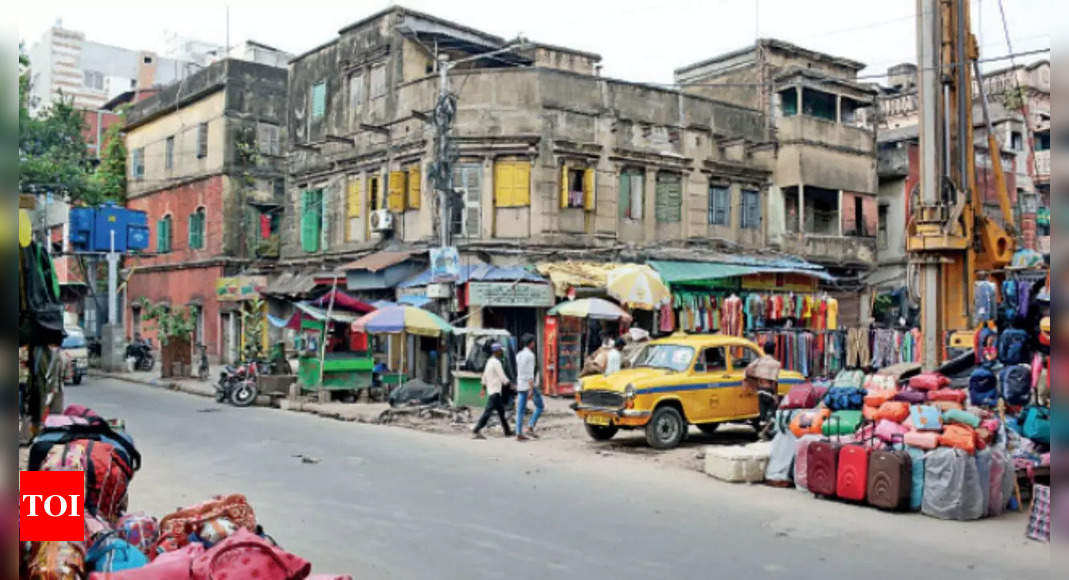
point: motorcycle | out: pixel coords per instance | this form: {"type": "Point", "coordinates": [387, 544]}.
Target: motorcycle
{"type": "Point", "coordinates": [141, 352]}
{"type": "Point", "coordinates": [238, 384]}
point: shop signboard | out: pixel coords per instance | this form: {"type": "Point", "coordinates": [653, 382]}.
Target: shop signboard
{"type": "Point", "coordinates": [520, 294]}
{"type": "Point", "coordinates": [237, 288]}
{"type": "Point", "coordinates": [445, 264]}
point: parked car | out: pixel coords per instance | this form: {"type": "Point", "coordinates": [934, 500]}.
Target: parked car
{"type": "Point", "coordinates": [75, 355]}
{"type": "Point", "coordinates": [676, 382]}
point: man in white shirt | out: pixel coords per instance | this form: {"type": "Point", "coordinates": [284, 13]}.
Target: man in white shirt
{"type": "Point", "coordinates": [494, 380]}
{"type": "Point", "coordinates": [612, 361]}
{"type": "Point", "coordinates": [526, 389]}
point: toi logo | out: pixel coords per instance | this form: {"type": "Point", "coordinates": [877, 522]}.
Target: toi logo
{"type": "Point", "coordinates": [51, 506]}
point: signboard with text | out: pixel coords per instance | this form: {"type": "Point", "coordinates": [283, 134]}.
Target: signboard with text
{"type": "Point", "coordinates": [521, 294]}
{"type": "Point", "coordinates": [236, 288]}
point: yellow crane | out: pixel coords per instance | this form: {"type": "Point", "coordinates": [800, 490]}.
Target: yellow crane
{"type": "Point", "coordinates": [949, 237]}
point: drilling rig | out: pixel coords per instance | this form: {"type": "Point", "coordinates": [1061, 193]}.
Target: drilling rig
{"type": "Point", "coordinates": [951, 242]}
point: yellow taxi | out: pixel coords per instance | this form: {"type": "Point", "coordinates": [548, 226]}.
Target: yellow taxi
{"type": "Point", "coordinates": [675, 382]}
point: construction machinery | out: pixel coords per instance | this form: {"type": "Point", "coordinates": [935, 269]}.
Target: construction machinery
{"type": "Point", "coordinates": [950, 240]}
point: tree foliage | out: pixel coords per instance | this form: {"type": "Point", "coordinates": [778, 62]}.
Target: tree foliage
{"type": "Point", "coordinates": [52, 153]}
{"type": "Point", "coordinates": [171, 323]}
{"type": "Point", "coordinates": [110, 176]}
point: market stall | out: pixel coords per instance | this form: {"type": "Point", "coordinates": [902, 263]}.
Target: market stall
{"type": "Point", "coordinates": [403, 322]}
{"type": "Point", "coordinates": [331, 356]}
{"type": "Point", "coordinates": [470, 354]}
{"type": "Point", "coordinates": [574, 329]}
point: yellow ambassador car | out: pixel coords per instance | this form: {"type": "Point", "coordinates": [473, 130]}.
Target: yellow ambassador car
{"type": "Point", "coordinates": [675, 382]}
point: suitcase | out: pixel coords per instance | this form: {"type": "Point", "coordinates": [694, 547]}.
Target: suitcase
{"type": "Point", "coordinates": [916, 494]}
{"type": "Point", "coordinates": [852, 475]}
{"type": "Point", "coordinates": [802, 396]}
{"type": "Point", "coordinates": [822, 462]}
{"type": "Point", "coordinates": [890, 479]}
{"type": "Point", "coordinates": [800, 461]}
{"type": "Point", "coordinates": [738, 464]}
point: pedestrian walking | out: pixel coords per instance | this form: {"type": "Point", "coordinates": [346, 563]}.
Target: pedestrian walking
{"type": "Point", "coordinates": [494, 381]}
{"type": "Point", "coordinates": [763, 375]}
{"type": "Point", "coordinates": [526, 389]}
{"type": "Point", "coordinates": [614, 357]}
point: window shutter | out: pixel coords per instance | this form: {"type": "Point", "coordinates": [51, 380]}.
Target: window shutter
{"type": "Point", "coordinates": [521, 184]}
{"type": "Point", "coordinates": [396, 200]}
{"type": "Point", "coordinates": [309, 231]}
{"type": "Point", "coordinates": [589, 188]}
{"type": "Point", "coordinates": [354, 197]}
{"type": "Point", "coordinates": [414, 187]}
{"type": "Point", "coordinates": [167, 233]}
{"type": "Point", "coordinates": [669, 199]}
{"type": "Point", "coordinates": [564, 185]}
{"type": "Point", "coordinates": [625, 195]}
{"type": "Point", "coordinates": [161, 245]}
{"type": "Point", "coordinates": [638, 201]}
{"type": "Point", "coordinates": [502, 183]}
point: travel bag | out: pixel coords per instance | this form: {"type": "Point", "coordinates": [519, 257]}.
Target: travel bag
{"type": "Point", "coordinates": [945, 406]}
{"type": "Point", "coordinates": [926, 418]}
{"type": "Point", "coordinates": [959, 436]}
{"type": "Point", "coordinates": [983, 387]}
{"type": "Point", "coordinates": [1013, 347]}
{"type": "Point", "coordinates": [246, 555]}
{"type": "Point", "coordinates": [1039, 518]}
{"type": "Point", "coordinates": [928, 381]}
{"type": "Point", "coordinates": [89, 428]}
{"type": "Point", "coordinates": [877, 398]}
{"type": "Point", "coordinates": [849, 378]}
{"type": "Point", "coordinates": [175, 528]}
{"type": "Point", "coordinates": [140, 530]}
{"type": "Point", "coordinates": [852, 472]}
{"type": "Point", "coordinates": [1016, 383]}
{"type": "Point", "coordinates": [801, 396]}
{"type": "Point", "coordinates": [888, 431]}
{"type": "Point", "coordinates": [174, 565]}
{"type": "Point", "coordinates": [1035, 423]}
{"type": "Point", "coordinates": [801, 463]}
{"type": "Point", "coordinates": [738, 464]}
{"type": "Point", "coordinates": [961, 418]}
{"type": "Point", "coordinates": [951, 485]}
{"type": "Point", "coordinates": [890, 479]}
{"type": "Point", "coordinates": [895, 411]}
{"type": "Point", "coordinates": [911, 396]}
{"type": "Point", "coordinates": [56, 561]}
{"type": "Point", "coordinates": [67, 457]}
{"type": "Point", "coordinates": [845, 398]}
{"type": "Point", "coordinates": [881, 383]}
{"type": "Point", "coordinates": [842, 423]}
{"type": "Point", "coordinates": [1003, 476]}
{"type": "Point", "coordinates": [107, 477]}
{"type": "Point", "coordinates": [921, 439]}
{"type": "Point", "coordinates": [111, 553]}
{"type": "Point", "coordinates": [916, 493]}
{"type": "Point", "coordinates": [984, 460]}
{"type": "Point", "coordinates": [808, 422]}
{"type": "Point", "coordinates": [822, 463]}
{"type": "Point", "coordinates": [955, 395]}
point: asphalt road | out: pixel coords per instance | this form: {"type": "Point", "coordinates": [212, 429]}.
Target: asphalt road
{"type": "Point", "coordinates": [386, 502]}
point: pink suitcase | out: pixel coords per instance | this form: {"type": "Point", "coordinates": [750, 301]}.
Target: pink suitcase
{"type": "Point", "coordinates": [800, 464]}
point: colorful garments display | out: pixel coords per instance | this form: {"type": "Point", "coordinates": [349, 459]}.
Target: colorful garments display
{"type": "Point", "coordinates": [812, 353]}
{"type": "Point", "coordinates": [719, 311]}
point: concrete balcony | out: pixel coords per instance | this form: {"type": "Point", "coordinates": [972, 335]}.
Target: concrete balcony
{"type": "Point", "coordinates": [825, 249]}
{"type": "Point", "coordinates": [1043, 166]}
{"type": "Point", "coordinates": [804, 128]}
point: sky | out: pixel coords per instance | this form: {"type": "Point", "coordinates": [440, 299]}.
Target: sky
{"type": "Point", "coordinates": [640, 41]}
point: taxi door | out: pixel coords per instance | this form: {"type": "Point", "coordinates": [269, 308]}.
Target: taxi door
{"type": "Point", "coordinates": [746, 403]}
{"type": "Point", "coordinates": [715, 401]}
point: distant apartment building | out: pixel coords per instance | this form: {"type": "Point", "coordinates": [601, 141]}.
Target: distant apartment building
{"type": "Point", "coordinates": [205, 162]}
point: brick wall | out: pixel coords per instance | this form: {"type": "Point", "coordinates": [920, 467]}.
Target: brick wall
{"type": "Point", "coordinates": [178, 288]}
{"type": "Point", "coordinates": [180, 202]}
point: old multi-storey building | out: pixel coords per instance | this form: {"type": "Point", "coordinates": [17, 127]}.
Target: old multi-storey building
{"type": "Point", "coordinates": [205, 163]}
{"type": "Point", "coordinates": [550, 155]}
{"type": "Point", "coordinates": [822, 198]}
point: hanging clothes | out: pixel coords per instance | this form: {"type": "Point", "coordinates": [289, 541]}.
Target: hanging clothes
{"type": "Point", "coordinates": [832, 321]}
{"type": "Point", "coordinates": [731, 316]}
{"type": "Point", "coordinates": [984, 302]}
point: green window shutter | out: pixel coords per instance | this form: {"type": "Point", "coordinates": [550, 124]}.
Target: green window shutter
{"type": "Point", "coordinates": [310, 216]}
{"type": "Point", "coordinates": [319, 99]}
{"type": "Point", "coordinates": [669, 196]}
{"type": "Point", "coordinates": [160, 233]}
{"type": "Point", "coordinates": [625, 195]}
{"type": "Point", "coordinates": [193, 230]}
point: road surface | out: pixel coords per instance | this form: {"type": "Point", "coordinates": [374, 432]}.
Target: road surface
{"type": "Point", "coordinates": [387, 502]}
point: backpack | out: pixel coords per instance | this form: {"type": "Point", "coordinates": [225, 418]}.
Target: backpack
{"type": "Point", "coordinates": [845, 398]}
{"type": "Point", "coordinates": [1009, 300]}
{"type": "Point", "coordinates": [1013, 347]}
{"type": "Point", "coordinates": [111, 553]}
{"type": "Point", "coordinates": [78, 428]}
{"type": "Point", "coordinates": [983, 336]}
{"type": "Point", "coordinates": [1035, 423]}
{"type": "Point", "coordinates": [983, 387]}
{"type": "Point", "coordinates": [107, 477]}
{"type": "Point", "coordinates": [1016, 384]}
{"type": "Point", "coordinates": [41, 318]}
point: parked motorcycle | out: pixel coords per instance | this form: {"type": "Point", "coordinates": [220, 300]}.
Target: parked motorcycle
{"type": "Point", "coordinates": [238, 384]}
{"type": "Point", "coordinates": [141, 352]}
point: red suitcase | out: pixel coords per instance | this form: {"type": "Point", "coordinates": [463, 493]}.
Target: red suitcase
{"type": "Point", "coordinates": [822, 459]}
{"type": "Point", "coordinates": [852, 478]}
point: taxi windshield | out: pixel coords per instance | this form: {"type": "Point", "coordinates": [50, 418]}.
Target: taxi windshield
{"type": "Point", "coordinates": [667, 356]}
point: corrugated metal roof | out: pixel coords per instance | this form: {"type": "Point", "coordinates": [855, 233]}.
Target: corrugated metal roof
{"type": "Point", "coordinates": [478, 273]}
{"type": "Point", "coordinates": [377, 261]}
{"type": "Point", "coordinates": [290, 284]}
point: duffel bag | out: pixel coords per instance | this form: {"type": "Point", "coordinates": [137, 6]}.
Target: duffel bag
{"type": "Point", "coordinates": [808, 422]}
{"type": "Point", "coordinates": [912, 397]}
{"type": "Point", "coordinates": [107, 477]}
{"type": "Point", "coordinates": [842, 423]}
{"type": "Point", "coordinates": [926, 418]}
{"type": "Point", "coordinates": [960, 437]}
{"type": "Point", "coordinates": [56, 561]}
{"type": "Point", "coordinates": [896, 411]}
{"type": "Point", "coordinates": [140, 530]}
{"type": "Point", "coordinates": [75, 428]}
{"type": "Point", "coordinates": [246, 555]}
{"type": "Point", "coordinates": [801, 396]}
{"type": "Point", "coordinates": [845, 398]}
{"type": "Point", "coordinates": [1035, 423]}
{"type": "Point", "coordinates": [849, 378]}
{"type": "Point", "coordinates": [961, 418]}
{"type": "Point", "coordinates": [955, 395]}
{"type": "Point", "coordinates": [928, 381]}
{"type": "Point", "coordinates": [176, 528]}
{"type": "Point", "coordinates": [113, 554]}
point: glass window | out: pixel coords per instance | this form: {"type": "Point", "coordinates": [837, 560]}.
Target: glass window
{"type": "Point", "coordinates": [196, 229]}
{"type": "Point", "coordinates": [712, 360]}
{"type": "Point", "coordinates": [667, 356]}
{"type": "Point", "coordinates": [202, 140]}
{"type": "Point", "coordinates": [163, 235]}
{"type": "Point", "coordinates": [467, 178]}
{"type": "Point", "coordinates": [311, 219]}
{"type": "Point", "coordinates": [788, 100]}
{"type": "Point", "coordinates": [751, 209]}
{"type": "Point", "coordinates": [632, 193]}
{"type": "Point", "coordinates": [818, 104]}
{"type": "Point", "coordinates": [378, 81]}
{"type": "Point", "coordinates": [719, 205]}
{"type": "Point", "coordinates": [137, 163]}
{"type": "Point", "coordinates": [169, 158]}
{"type": "Point", "coordinates": [319, 100]}
{"type": "Point", "coordinates": [745, 356]}
{"type": "Point", "coordinates": [356, 91]}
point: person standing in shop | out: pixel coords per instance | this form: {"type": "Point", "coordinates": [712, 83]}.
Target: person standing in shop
{"type": "Point", "coordinates": [762, 375]}
{"type": "Point", "coordinates": [494, 381]}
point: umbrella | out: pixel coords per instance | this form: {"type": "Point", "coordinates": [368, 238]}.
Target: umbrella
{"type": "Point", "coordinates": [637, 286]}
{"type": "Point", "coordinates": [590, 308]}
{"type": "Point", "coordinates": [397, 319]}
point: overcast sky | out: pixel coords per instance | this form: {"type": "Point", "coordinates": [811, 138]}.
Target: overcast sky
{"type": "Point", "coordinates": [639, 40]}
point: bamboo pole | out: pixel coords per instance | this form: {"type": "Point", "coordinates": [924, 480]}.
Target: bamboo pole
{"type": "Point", "coordinates": [326, 327]}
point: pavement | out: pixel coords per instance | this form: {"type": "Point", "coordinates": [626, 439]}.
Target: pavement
{"type": "Point", "coordinates": [379, 502]}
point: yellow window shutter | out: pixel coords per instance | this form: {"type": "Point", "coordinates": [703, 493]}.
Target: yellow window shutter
{"type": "Point", "coordinates": [589, 189]}
{"type": "Point", "coordinates": [355, 197]}
{"type": "Point", "coordinates": [396, 199]}
{"type": "Point", "coordinates": [521, 188]}
{"type": "Point", "coordinates": [502, 183]}
{"type": "Point", "coordinates": [413, 187]}
{"type": "Point", "coordinates": [564, 185]}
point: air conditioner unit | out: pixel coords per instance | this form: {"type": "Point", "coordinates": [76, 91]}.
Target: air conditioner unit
{"type": "Point", "coordinates": [381, 220]}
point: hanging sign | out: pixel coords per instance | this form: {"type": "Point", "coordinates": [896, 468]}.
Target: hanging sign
{"type": "Point", "coordinates": [522, 294]}
{"type": "Point", "coordinates": [235, 288]}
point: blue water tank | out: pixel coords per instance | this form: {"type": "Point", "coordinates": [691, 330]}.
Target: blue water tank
{"type": "Point", "coordinates": [136, 230]}
{"type": "Point", "coordinates": [81, 227]}
{"type": "Point", "coordinates": [110, 218]}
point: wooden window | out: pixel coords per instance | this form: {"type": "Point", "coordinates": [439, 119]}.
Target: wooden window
{"type": "Point", "coordinates": [202, 140]}
{"type": "Point", "coordinates": [669, 197]}
{"type": "Point", "coordinates": [169, 154]}
{"type": "Point", "coordinates": [378, 81]}
{"type": "Point", "coordinates": [577, 187]}
{"type": "Point", "coordinates": [751, 209]}
{"type": "Point", "coordinates": [396, 199]}
{"type": "Point", "coordinates": [632, 190]}
{"type": "Point", "coordinates": [137, 163]}
{"type": "Point", "coordinates": [267, 139]}
{"type": "Point", "coordinates": [196, 229]}
{"type": "Point", "coordinates": [319, 100]}
{"type": "Point", "coordinates": [719, 205]}
{"type": "Point", "coordinates": [311, 219]}
{"type": "Point", "coordinates": [356, 91]}
{"type": "Point", "coordinates": [354, 200]}
{"type": "Point", "coordinates": [414, 185]}
{"type": "Point", "coordinates": [512, 183]}
{"type": "Point", "coordinates": [163, 235]}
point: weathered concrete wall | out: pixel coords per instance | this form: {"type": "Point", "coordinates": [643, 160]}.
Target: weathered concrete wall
{"type": "Point", "coordinates": [892, 196]}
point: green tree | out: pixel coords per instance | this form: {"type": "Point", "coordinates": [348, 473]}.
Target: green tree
{"type": "Point", "coordinates": [52, 153]}
{"type": "Point", "coordinates": [110, 176]}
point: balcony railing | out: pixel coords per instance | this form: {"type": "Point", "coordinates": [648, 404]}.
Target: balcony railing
{"type": "Point", "coordinates": [1043, 164]}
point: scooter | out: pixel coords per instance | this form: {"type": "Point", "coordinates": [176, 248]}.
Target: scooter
{"type": "Point", "coordinates": [238, 384]}
{"type": "Point", "coordinates": [141, 352]}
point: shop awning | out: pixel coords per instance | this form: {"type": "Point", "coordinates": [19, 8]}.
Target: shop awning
{"type": "Point", "coordinates": [290, 284]}
{"type": "Point", "coordinates": [321, 314]}
{"type": "Point", "coordinates": [682, 272]}
{"type": "Point", "coordinates": [478, 273]}
{"type": "Point", "coordinates": [377, 261]}
{"type": "Point", "coordinates": [343, 301]}
{"type": "Point", "coordinates": [416, 300]}
{"type": "Point", "coordinates": [565, 275]}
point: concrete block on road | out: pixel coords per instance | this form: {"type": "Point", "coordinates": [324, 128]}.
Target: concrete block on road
{"type": "Point", "coordinates": [738, 463]}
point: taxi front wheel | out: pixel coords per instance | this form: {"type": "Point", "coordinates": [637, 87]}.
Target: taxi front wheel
{"type": "Point", "coordinates": [601, 432]}
{"type": "Point", "coordinates": [666, 428]}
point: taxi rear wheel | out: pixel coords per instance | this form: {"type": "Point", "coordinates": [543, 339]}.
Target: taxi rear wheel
{"type": "Point", "coordinates": [601, 432]}
{"type": "Point", "coordinates": [666, 428]}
